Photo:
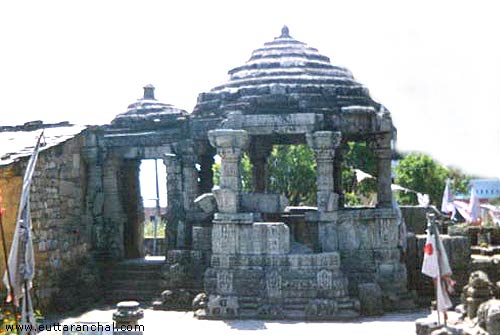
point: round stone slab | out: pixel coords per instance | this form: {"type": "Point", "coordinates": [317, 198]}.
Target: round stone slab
{"type": "Point", "coordinates": [128, 305]}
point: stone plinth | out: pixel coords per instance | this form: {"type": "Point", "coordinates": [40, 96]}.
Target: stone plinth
{"type": "Point", "coordinates": [278, 286]}
{"type": "Point", "coordinates": [128, 313]}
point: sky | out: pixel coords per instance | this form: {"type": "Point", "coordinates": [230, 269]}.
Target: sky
{"type": "Point", "coordinates": [434, 64]}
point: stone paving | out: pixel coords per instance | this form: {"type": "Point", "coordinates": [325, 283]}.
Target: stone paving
{"type": "Point", "coordinates": [169, 322]}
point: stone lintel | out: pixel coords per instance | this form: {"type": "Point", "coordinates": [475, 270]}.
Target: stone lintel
{"type": "Point", "coordinates": [269, 124]}
{"type": "Point", "coordinates": [239, 218]}
{"type": "Point", "coordinates": [321, 216]}
{"type": "Point", "coordinates": [367, 213]}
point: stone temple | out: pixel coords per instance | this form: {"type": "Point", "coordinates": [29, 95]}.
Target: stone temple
{"type": "Point", "coordinates": [251, 257]}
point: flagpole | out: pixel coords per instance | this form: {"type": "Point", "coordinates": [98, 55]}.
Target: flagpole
{"type": "Point", "coordinates": [434, 231]}
{"type": "Point", "coordinates": [26, 237]}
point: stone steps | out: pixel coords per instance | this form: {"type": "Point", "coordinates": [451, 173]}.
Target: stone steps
{"type": "Point", "coordinates": [294, 308]}
{"type": "Point", "coordinates": [138, 280]}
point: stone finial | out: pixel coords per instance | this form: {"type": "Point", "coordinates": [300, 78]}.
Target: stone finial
{"type": "Point", "coordinates": [149, 92]}
{"type": "Point", "coordinates": [285, 32]}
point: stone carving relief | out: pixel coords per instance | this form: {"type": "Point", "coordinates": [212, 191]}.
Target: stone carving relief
{"type": "Point", "coordinates": [273, 284]}
{"type": "Point", "coordinates": [224, 282]}
{"type": "Point", "coordinates": [324, 280]}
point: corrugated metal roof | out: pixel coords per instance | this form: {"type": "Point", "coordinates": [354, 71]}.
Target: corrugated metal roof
{"type": "Point", "coordinates": [17, 142]}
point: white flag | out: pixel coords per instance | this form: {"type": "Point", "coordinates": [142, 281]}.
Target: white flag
{"type": "Point", "coordinates": [447, 202]}
{"type": "Point", "coordinates": [21, 257]}
{"type": "Point", "coordinates": [436, 265]}
{"type": "Point", "coordinates": [474, 206]}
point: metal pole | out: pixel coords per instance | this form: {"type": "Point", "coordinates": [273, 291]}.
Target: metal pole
{"type": "Point", "coordinates": [157, 216]}
{"type": "Point", "coordinates": [435, 232]}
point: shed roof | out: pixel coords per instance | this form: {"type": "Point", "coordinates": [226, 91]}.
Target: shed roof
{"type": "Point", "coordinates": [19, 141]}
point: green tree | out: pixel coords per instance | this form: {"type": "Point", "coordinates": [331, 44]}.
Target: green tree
{"type": "Point", "coordinates": [358, 155]}
{"type": "Point", "coordinates": [419, 172]}
{"type": "Point", "coordinates": [292, 173]}
{"type": "Point", "coordinates": [246, 173]}
{"type": "Point", "coordinates": [460, 181]}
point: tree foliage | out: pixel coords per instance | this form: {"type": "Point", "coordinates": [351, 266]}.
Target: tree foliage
{"type": "Point", "coordinates": [358, 155]}
{"type": "Point", "coordinates": [419, 172]}
{"type": "Point", "coordinates": [292, 173]}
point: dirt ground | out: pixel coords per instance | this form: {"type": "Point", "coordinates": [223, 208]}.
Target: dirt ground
{"type": "Point", "coordinates": [168, 322]}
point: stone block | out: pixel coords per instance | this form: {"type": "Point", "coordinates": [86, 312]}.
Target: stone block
{"type": "Point", "coordinates": [224, 238]}
{"type": "Point", "coordinates": [348, 238]}
{"type": "Point", "coordinates": [202, 238]}
{"type": "Point", "coordinates": [235, 218]}
{"type": "Point", "coordinates": [370, 299]}
{"type": "Point", "coordinates": [264, 203]}
{"type": "Point", "coordinates": [220, 306]}
{"type": "Point", "coordinates": [327, 201]}
{"type": "Point", "coordinates": [207, 203]}
{"type": "Point", "coordinates": [488, 316]}
{"type": "Point", "coordinates": [271, 238]}
{"type": "Point", "coordinates": [228, 200]}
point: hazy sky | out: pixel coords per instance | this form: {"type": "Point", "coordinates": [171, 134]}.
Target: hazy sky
{"type": "Point", "coordinates": [433, 64]}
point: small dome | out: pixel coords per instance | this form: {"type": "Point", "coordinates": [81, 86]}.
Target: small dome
{"type": "Point", "coordinates": [285, 75]}
{"type": "Point", "coordinates": [148, 111]}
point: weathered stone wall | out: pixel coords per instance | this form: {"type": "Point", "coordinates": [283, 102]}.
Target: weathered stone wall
{"type": "Point", "coordinates": [489, 264]}
{"type": "Point", "coordinates": [458, 251]}
{"type": "Point", "coordinates": [65, 274]}
{"type": "Point", "coordinates": [368, 245]}
{"type": "Point", "coordinates": [415, 218]}
{"type": "Point", "coordinates": [10, 186]}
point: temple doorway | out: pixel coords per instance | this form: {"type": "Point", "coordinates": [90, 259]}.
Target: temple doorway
{"type": "Point", "coordinates": [153, 189]}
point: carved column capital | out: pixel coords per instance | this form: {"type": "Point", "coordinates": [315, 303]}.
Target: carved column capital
{"type": "Point", "coordinates": [324, 143]}
{"type": "Point", "coordinates": [228, 140]}
{"type": "Point", "coordinates": [381, 142]}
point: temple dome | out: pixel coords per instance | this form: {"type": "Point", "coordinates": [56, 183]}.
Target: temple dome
{"type": "Point", "coordinates": [285, 75]}
{"type": "Point", "coordinates": [148, 111]}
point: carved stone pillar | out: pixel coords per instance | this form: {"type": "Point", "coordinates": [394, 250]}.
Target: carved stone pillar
{"type": "Point", "coordinates": [131, 200]}
{"type": "Point", "coordinates": [175, 202]}
{"type": "Point", "coordinates": [259, 153]}
{"type": "Point", "coordinates": [206, 173]}
{"type": "Point", "coordinates": [190, 181]}
{"type": "Point", "coordinates": [113, 214]}
{"type": "Point", "coordinates": [230, 145]}
{"type": "Point", "coordinates": [324, 144]}
{"type": "Point", "coordinates": [337, 174]}
{"type": "Point", "coordinates": [382, 147]}
{"type": "Point", "coordinates": [94, 196]}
